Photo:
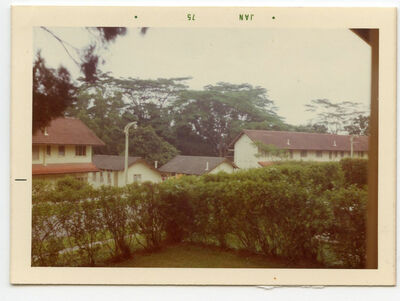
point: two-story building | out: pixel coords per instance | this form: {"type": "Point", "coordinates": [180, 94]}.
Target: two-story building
{"type": "Point", "coordinates": [249, 150]}
{"type": "Point", "coordinates": [64, 148]}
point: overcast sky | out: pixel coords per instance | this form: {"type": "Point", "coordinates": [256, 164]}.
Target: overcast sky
{"type": "Point", "coordinates": [294, 65]}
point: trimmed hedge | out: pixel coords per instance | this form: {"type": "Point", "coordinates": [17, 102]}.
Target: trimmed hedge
{"type": "Point", "coordinates": [293, 210]}
{"type": "Point", "coordinates": [355, 171]}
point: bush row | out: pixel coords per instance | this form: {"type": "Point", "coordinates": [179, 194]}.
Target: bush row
{"type": "Point", "coordinates": [293, 210]}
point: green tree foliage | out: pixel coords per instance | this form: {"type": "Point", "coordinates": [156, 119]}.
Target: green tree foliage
{"type": "Point", "coordinates": [210, 119]}
{"type": "Point", "coordinates": [89, 57]}
{"type": "Point", "coordinates": [145, 143]}
{"type": "Point", "coordinates": [53, 92]}
{"type": "Point", "coordinates": [358, 126]}
{"type": "Point", "coordinates": [146, 101]}
{"type": "Point", "coordinates": [311, 128]}
{"type": "Point", "coordinates": [101, 112]}
{"type": "Point", "coordinates": [104, 111]}
{"type": "Point", "coordinates": [334, 116]}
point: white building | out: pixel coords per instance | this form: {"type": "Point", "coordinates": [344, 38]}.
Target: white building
{"type": "Point", "coordinates": [250, 153]}
{"type": "Point", "coordinates": [112, 171]}
{"type": "Point", "coordinates": [196, 165]}
{"type": "Point", "coordinates": [63, 148]}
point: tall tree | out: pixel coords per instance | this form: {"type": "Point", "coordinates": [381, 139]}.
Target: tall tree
{"type": "Point", "coordinates": [89, 57]}
{"type": "Point", "coordinates": [101, 112]}
{"type": "Point", "coordinates": [208, 120]}
{"type": "Point", "coordinates": [358, 126]}
{"type": "Point", "coordinates": [147, 101]}
{"type": "Point", "coordinates": [52, 92]}
{"type": "Point", "coordinates": [144, 142]}
{"type": "Point", "coordinates": [335, 116]}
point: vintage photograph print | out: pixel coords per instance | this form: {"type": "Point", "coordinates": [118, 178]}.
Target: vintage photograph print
{"type": "Point", "coordinates": [204, 147]}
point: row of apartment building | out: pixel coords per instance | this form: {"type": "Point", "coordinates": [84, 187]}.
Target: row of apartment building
{"type": "Point", "coordinates": [65, 147]}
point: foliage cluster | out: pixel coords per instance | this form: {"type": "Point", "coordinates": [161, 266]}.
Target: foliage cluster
{"type": "Point", "coordinates": [355, 171]}
{"type": "Point", "coordinates": [288, 210]}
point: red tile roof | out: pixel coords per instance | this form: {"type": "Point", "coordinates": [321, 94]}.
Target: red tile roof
{"type": "Point", "coordinates": [65, 168]}
{"type": "Point", "coordinates": [67, 130]}
{"type": "Point", "coordinates": [306, 141]}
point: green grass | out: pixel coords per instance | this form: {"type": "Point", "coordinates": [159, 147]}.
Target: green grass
{"type": "Point", "coordinates": [197, 256]}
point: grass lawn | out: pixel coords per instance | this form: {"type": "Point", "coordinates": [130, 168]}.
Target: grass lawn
{"type": "Point", "coordinates": [195, 256]}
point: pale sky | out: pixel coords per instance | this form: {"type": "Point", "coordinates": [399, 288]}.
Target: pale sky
{"type": "Point", "coordinates": [294, 65]}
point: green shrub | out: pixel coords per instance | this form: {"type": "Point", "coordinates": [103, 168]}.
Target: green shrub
{"type": "Point", "coordinates": [355, 171]}
{"type": "Point", "coordinates": [42, 191]}
{"type": "Point", "coordinates": [290, 210]}
{"type": "Point", "coordinates": [83, 227]}
{"type": "Point", "coordinates": [115, 217]}
{"type": "Point", "coordinates": [145, 217]}
{"type": "Point", "coordinates": [176, 200]}
{"type": "Point", "coordinates": [348, 227]}
{"type": "Point", "coordinates": [46, 235]}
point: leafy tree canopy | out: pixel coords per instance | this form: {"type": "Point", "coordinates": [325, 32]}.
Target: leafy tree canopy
{"type": "Point", "coordinates": [53, 92]}
{"type": "Point", "coordinates": [213, 117]}
{"type": "Point", "coordinates": [358, 126]}
{"type": "Point", "coordinates": [145, 143]}
{"type": "Point", "coordinates": [335, 116]}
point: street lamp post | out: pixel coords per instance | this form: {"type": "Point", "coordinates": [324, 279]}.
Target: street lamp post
{"type": "Point", "coordinates": [352, 145]}
{"type": "Point", "coordinates": [126, 130]}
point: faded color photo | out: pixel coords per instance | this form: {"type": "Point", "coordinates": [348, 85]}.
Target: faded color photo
{"type": "Point", "coordinates": [201, 147]}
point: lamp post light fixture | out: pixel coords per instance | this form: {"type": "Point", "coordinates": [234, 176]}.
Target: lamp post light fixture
{"type": "Point", "coordinates": [126, 131]}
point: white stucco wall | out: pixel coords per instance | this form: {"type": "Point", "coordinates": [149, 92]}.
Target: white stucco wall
{"type": "Point", "coordinates": [245, 155]}
{"type": "Point", "coordinates": [117, 178]}
{"type": "Point", "coordinates": [147, 174]}
{"type": "Point", "coordinates": [226, 167]}
{"type": "Point", "coordinates": [97, 179]}
{"type": "Point", "coordinates": [69, 156]}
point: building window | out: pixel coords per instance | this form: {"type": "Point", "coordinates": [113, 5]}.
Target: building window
{"type": "Point", "coordinates": [137, 178]}
{"type": "Point", "coordinates": [330, 155]}
{"type": "Point", "coordinates": [61, 150]}
{"type": "Point", "coordinates": [101, 177]}
{"type": "Point", "coordinates": [361, 154]}
{"type": "Point", "coordinates": [336, 154]}
{"type": "Point", "coordinates": [82, 179]}
{"type": "Point", "coordinates": [109, 177]}
{"type": "Point", "coordinates": [318, 154]}
{"type": "Point", "coordinates": [48, 150]}
{"type": "Point", "coordinates": [80, 150]}
{"type": "Point", "coordinates": [342, 154]}
{"type": "Point", "coordinates": [291, 154]}
{"type": "Point", "coordinates": [35, 152]}
{"type": "Point", "coordinates": [94, 176]}
{"type": "Point", "coordinates": [303, 153]}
